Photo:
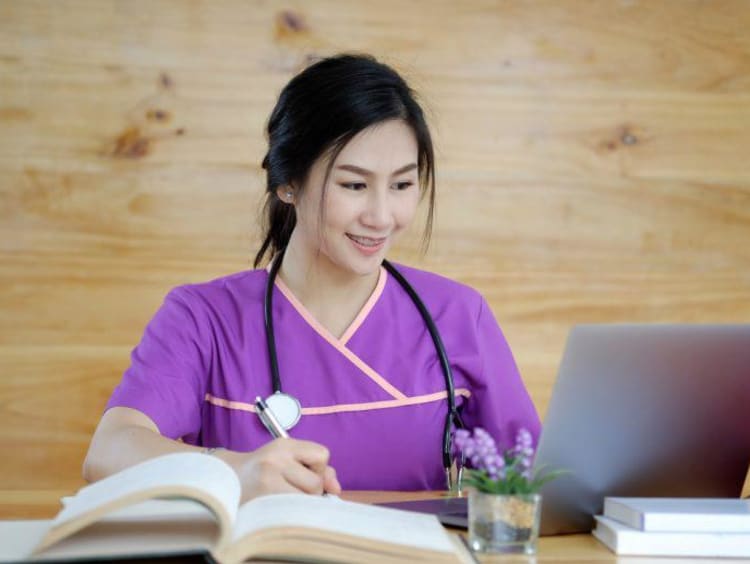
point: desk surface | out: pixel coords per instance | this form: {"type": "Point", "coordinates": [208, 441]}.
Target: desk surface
{"type": "Point", "coordinates": [584, 549]}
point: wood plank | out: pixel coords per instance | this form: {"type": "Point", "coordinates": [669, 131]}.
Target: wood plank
{"type": "Point", "coordinates": [592, 167]}
{"type": "Point", "coordinates": [50, 400]}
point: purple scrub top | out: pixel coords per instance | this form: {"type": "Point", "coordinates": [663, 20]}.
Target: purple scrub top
{"type": "Point", "coordinates": [375, 396]}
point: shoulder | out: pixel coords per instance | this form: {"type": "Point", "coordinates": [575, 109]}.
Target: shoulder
{"type": "Point", "coordinates": [243, 287]}
{"type": "Point", "coordinates": [440, 292]}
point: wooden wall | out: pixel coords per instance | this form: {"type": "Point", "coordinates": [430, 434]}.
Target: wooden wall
{"type": "Point", "coordinates": [593, 166]}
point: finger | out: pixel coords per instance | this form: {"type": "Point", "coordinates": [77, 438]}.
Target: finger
{"type": "Point", "coordinates": [330, 481]}
{"type": "Point", "coordinates": [313, 455]}
{"type": "Point", "coordinates": [269, 485]}
{"type": "Point", "coordinates": [303, 479]}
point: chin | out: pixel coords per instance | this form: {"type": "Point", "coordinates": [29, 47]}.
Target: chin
{"type": "Point", "coordinates": [364, 266]}
{"type": "Point", "coordinates": [349, 260]}
{"type": "Point", "coordinates": [367, 271]}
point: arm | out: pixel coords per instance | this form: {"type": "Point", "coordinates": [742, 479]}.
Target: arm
{"type": "Point", "coordinates": [500, 402]}
{"type": "Point", "coordinates": [159, 401]}
{"type": "Point", "coordinates": [125, 437]}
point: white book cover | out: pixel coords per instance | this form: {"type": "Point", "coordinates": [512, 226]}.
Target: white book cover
{"type": "Point", "coordinates": [720, 515]}
{"type": "Point", "coordinates": [624, 540]}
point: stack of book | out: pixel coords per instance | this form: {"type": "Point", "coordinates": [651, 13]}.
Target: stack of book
{"type": "Point", "coordinates": [675, 526]}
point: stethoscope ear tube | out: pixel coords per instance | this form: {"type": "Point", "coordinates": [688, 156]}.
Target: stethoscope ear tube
{"type": "Point", "coordinates": [453, 417]}
{"type": "Point", "coordinates": [268, 319]}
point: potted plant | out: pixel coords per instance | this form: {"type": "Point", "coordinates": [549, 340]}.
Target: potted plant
{"type": "Point", "coordinates": [504, 498]}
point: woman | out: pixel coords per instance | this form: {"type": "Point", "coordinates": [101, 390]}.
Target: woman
{"type": "Point", "coordinates": [349, 159]}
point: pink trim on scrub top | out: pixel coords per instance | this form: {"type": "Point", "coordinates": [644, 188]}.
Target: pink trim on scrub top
{"type": "Point", "coordinates": [345, 407]}
{"type": "Point", "coordinates": [365, 311]}
{"type": "Point", "coordinates": [336, 343]}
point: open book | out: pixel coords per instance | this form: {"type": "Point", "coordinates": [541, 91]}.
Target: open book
{"type": "Point", "coordinates": [189, 503]}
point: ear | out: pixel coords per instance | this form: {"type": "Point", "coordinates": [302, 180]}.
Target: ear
{"type": "Point", "coordinates": [285, 194]}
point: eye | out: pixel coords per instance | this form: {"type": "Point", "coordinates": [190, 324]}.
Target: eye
{"type": "Point", "coordinates": [403, 185]}
{"type": "Point", "coordinates": [354, 185]}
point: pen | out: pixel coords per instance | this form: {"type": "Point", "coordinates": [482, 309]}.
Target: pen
{"type": "Point", "coordinates": [270, 422]}
{"type": "Point", "coordinates": [269, 419]}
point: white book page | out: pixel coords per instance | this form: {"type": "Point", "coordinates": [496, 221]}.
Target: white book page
{"type": "Point", "coordinates": [205, 478]}
{"type": "Point", "coordinates": [121, 539]}
{"type": "Point", "coordinates": [330, 513]}
{"type": "Point", "coordinates": [162, 510]}
{"type": "Point", "coordinates": [188, 470]}
{"type": "Point", "coordinates": [155, 527]}
{"type": "Point", "coordinates": [18, 538]}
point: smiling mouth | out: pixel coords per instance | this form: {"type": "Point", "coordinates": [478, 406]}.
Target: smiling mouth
{"type": "Point", "coordinates": [367, 241]}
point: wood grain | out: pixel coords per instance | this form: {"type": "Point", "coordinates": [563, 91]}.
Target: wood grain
{"type": "Point", "coordinates": [592, 167]}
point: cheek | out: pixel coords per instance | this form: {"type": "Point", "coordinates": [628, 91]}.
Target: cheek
{"type": "Point", "coordinates": [340, 213]}
{"type": "Point", "coordinates": [406, 211]}
{"type": "Point", "coordinates": [308, 222]}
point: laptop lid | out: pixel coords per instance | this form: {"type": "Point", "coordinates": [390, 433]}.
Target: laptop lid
{"type": "Point", "coordinates": [646, 410]}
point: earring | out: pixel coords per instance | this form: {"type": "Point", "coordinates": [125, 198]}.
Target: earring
{"type": "Point", "coordinates": [289, 195]}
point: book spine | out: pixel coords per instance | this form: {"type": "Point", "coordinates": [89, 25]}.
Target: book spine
{"type": "Point", "coordinates": [623, 514]}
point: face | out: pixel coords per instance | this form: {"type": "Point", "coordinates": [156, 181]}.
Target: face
{"type": "Point", "coordinates": [371, 197]}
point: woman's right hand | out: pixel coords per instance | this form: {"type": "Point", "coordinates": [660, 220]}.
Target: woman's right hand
{"type": "Point", "coordinates": [125, 437]}
{"type": "Point", "coordinates": [282, 466]}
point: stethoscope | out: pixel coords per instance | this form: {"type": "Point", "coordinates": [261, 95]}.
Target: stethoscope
{"type": "Point", "coordinates": [287, 408]}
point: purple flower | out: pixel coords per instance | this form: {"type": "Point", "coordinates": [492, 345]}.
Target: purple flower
{"type": "Point", "coordinates": [461, 437]}
{"type": "Point", "coordinates": [523, 452]}
{"type": "Point", "coordinates": [496, 467]}
{"type": "Point", "coordinates": [480, 452]}
{"type": "Point", "coordinates": [489, 470]}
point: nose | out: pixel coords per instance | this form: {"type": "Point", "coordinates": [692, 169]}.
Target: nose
{"type": "Point", "coordinates": [378, 213]}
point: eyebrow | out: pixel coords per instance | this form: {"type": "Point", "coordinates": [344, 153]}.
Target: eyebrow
{"type": "Point", "coordinates": [365, 172]}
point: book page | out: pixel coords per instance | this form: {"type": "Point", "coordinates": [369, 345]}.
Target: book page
{"type": "Point", "coordinates": [154, 509]}
{"type": "Point", "coordinates": [329, 513]}
{"type": "Point", "coordinates": [162, 510]}
{"type": "Point", "coordinates": [18, 539]}
{"type": "Point", "coordinates": [131, 539]}
{"type": "Point", "coordinates": [203, 478]}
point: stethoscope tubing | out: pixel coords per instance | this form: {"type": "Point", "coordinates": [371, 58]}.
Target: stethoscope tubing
{"type": "Point", "coordinates": [268, 319]}
{"type": "Point", "coordinates": [453, 416]}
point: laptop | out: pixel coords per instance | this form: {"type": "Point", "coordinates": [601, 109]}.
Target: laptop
{"type": "Point", "coordinates": [647, 411]}
{"type": "Point", "coordinates": [639, 410]}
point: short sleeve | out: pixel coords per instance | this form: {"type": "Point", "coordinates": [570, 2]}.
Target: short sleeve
{"type": "Point", "coordinates": [500, 403]}
{"type": "Point", "coordinates": [166, 379]}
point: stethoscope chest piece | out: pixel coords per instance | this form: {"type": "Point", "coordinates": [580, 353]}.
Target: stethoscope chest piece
{"type": "Point", "coordinates": [286, 408]}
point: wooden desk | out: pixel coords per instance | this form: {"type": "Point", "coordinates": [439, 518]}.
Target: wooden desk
{"type": "Point", "coordinates": [584, 549]}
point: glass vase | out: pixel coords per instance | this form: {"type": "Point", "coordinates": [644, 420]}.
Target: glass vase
{"type": "Point", "coordinates": [504, 523]}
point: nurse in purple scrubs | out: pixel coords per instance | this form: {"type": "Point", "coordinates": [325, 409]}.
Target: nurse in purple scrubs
{"type": "Point", "coordinates": [349, 160]}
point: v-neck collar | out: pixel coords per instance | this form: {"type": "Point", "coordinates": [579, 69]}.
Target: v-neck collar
{"type": "Point", "coordinates": [359, 319]}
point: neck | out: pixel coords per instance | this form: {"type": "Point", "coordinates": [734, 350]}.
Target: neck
{"type": "Point", "coordinates": [320, 284]}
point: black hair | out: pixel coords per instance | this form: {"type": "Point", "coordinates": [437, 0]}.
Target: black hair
{"type": "Point", "coordinates": [318, 112]}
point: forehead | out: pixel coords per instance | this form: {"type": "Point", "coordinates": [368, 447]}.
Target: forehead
{"type": "Point", "coordinates": [387, 145]}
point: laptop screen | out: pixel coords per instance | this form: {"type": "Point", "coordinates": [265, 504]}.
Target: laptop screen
{"type": "Point", "coordinates": [646, 410]}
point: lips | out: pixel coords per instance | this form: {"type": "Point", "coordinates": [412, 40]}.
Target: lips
{"type": "Point", "coordinates": [367, 241]}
